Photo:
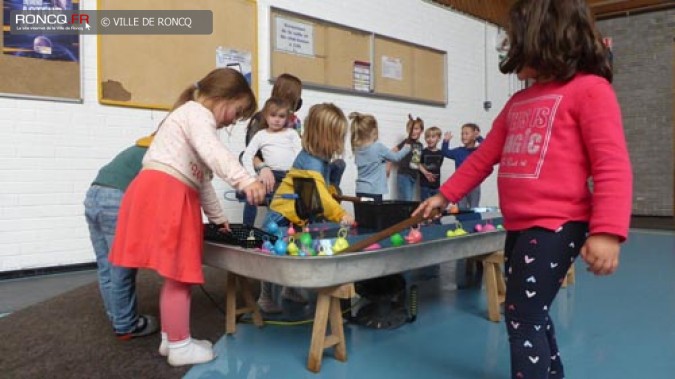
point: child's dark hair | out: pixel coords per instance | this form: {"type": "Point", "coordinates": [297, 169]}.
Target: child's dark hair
{"type": "Point", "coordinates": [289, 88]}
{"type": "Point", "coordinates": [556, 38]}
{"type": "Point", "coordinates": [364, 129]}
{"type": "Point", "coordinates": [221, 84]}
{"type": "Point", "coordinates": [273, 104]}
{"type": "Point", "coordinates": [471, 125]}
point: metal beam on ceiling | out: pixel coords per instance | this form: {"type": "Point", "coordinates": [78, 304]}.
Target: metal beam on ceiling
{"type": "Point", "coordinates": [496, 11]}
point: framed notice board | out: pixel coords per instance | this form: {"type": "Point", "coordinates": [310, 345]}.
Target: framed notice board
{"type": "Point", "coordinates": [319, 53]}
{"type": "Point", "coordinates": [335, 57]}
{"type": "Point", "coordinates": [410, 71]}
{"type": "Point", "coordinates": [149, 71]}
{"type": "Point", "coordinates": [39, 66]}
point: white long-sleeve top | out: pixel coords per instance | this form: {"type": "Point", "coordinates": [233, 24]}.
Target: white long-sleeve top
{"type": "Point", "coordinates": [279, 149]}
{"type": "Point", "coordinates": [187, 147]}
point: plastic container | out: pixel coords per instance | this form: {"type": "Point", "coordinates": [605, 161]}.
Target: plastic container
{"type": "Point", "coordinates": [241, 235]}
{"type": "Point", "coordinates": [377, 216]}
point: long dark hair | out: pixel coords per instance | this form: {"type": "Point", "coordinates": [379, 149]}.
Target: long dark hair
{"type": "Point", "coordinates": [289, 88]}
{"type": "Point", "coordinates": [557, 38]}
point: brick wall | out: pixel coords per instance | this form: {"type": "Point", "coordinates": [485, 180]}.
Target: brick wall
{"type": "Point", "coordinates": [50, 151]}
{"type": "Point", "coordinates": [643, 64]}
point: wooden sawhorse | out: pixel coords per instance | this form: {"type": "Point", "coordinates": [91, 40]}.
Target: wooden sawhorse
{"type": "Point", "coordinates": [231, 310]}
{"type": "Point", "coordinates": [327, 310]}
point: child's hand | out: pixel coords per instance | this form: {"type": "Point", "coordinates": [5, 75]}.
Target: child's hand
{"type": "Point", "coordinates": [430, 177]}
{"type": "Point", "coordinates": [347, 220]}
{"type": "Point", "coordinates": [434, 202]}
{"type": "Point", "coordinates": [255, 193]}
{"type": "Point", "coordinates": [601, 253]}
{"type": "Point", "coordinates": [266, 177]}
{"type": "Point", "coordinates": [476, 137]}
{"type": "Point", "coordinates": [225, 227]}
{"type": "Point", "coordinates": [447, 136]}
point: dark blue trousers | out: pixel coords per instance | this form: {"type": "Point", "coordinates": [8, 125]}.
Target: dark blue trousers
{"type": "Point", "coordinates": [251, 211]}
{"type": "Point", "coordinates": [536, 262]}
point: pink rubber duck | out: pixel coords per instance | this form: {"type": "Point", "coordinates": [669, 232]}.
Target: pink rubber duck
{"type": "Point", "coordinates": [414, 236]}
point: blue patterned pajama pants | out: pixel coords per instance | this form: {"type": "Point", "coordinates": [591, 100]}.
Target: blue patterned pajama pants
{"type": "Point", "coordinates": [536, 262]}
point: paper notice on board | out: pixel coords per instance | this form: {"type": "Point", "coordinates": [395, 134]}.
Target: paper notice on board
{"type": "Point", "coordinates": [392, 68]}
{"type": "Point", "coordinates": [361, 76]}
{"type": "Point", "coordinates": [294, 36]}
{"type": "Point", "coordinates": [236, 59]}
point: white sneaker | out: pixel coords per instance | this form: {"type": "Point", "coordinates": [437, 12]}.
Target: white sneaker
{"type": "Point", "coordinates": [189, 352]}
{"type": "Point", "coordinates": [164, 345]}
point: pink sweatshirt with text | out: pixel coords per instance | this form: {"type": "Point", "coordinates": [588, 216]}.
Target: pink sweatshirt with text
{"type": "Point", "coordinates": [548, 141]}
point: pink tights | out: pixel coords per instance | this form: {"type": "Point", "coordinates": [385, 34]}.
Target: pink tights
{"type": "Point", "coordinates": [174, 307]}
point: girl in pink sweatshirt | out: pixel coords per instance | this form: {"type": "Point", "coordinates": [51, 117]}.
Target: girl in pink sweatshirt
{"type": "Point", "coordinates": [549, 140]}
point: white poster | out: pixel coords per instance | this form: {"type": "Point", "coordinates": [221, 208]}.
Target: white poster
{"type": "Point", "coordinates": [236, 59]}
{"type": "Point", "coordinates": [392, 68]}
{"type": "Point", "coordinates": [294, 36]}
{"type": "Point", "coordinates": [362, 76]}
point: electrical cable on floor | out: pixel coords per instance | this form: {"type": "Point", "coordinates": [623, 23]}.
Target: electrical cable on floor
{"type": "Point", "coordinates": [266, 322]}
{"type": "Point", "coordinates": [208, 295]}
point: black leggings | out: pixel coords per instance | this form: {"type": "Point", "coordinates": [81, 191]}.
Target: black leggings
{"type": "Point", "coordinates": [536, 262]}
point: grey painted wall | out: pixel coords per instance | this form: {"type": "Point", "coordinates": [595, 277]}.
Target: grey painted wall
{"type": "Point", "coordinates": [643, 80]}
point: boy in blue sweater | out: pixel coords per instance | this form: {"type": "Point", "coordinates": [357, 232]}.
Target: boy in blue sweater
{"type": "Point", "coordinates": [470, 138]}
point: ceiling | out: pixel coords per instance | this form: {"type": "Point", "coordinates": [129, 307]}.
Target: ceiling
{"type": "Point", "coordinates": [496, 11]}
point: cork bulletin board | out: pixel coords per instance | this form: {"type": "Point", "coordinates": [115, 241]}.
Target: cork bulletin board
{"type": "Point", "coordinates": [335, 49]}
{"type": "Point", "coordinates": [395, 63]}
{"type": "Point", "coordinates": [429, 81]}
{"type": "Point", "coordinates": [30, 73]}
{"type": "Point", "coordinates": [325, 55]}
{"type": "Point", "coordinates": [149, 71]}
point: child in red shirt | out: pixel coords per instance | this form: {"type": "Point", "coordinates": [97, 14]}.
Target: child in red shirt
{"type": "Point", "coordinates": [548, 141]}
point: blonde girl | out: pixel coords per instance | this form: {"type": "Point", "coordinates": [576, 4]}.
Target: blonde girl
{"type": "Point", "coordinates": [371, 156]}
{"type": "Point", "coordinates": [322, 141]}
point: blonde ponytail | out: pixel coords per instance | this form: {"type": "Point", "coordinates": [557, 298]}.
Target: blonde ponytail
{"type": "Point", "coordinates": [363, 129]}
